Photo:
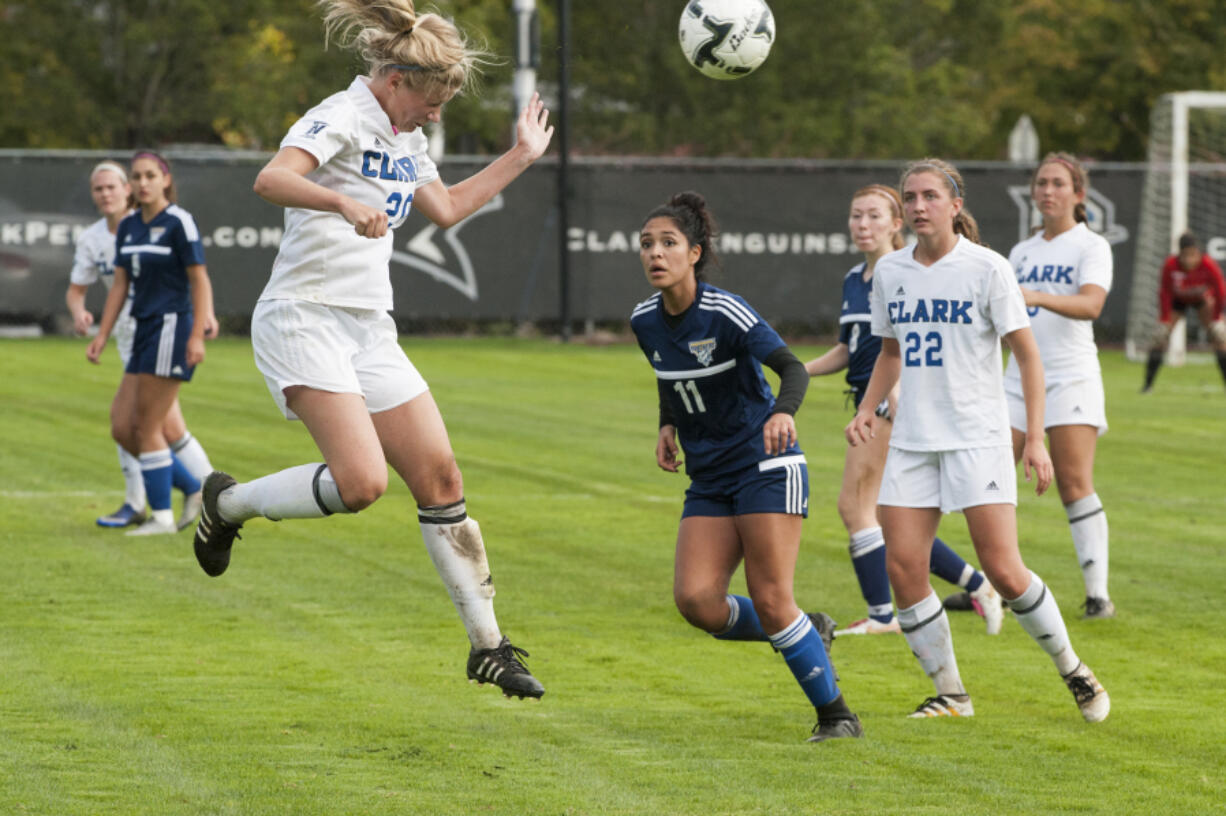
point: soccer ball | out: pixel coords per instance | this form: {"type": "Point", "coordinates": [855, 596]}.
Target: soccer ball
{"type": "Point", "coordinates": [726, 39]}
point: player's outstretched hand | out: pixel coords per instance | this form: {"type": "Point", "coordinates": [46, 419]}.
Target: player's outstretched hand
{"type": "Point", "coordinates": [666, 449]}
{"type": "Point", "coordinates": [862, 428]}
{"type": "Point", "coordinates": [778, 434]}
{"type": "Point", "coordinates": [1036, 457]}
{"type": "Point", "coordinates": [531, 132]}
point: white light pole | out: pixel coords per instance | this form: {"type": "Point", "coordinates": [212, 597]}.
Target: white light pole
{"type": "Point", "coordinates": [527, 56]}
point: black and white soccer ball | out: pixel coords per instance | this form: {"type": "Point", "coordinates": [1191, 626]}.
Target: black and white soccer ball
{"type": "Point", "coordinates": [726, 39]}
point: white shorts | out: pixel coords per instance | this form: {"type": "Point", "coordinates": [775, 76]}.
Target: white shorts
{"type": "Point", "coordinates": [951, 480]}
{"type": "Point", "coordinates": [330, 348]}
{"type": "Point", "coordinates": [1079, 402]}
{"type": "Point", "coordinates": [124, 331]}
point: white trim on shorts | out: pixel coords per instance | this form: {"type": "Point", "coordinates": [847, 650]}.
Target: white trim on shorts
{"type": "Point", "coordinates": [166, 345]}
{"type": "Point", "coordinates": [795, 483]}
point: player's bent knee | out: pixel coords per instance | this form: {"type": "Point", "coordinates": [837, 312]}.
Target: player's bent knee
{"type": "Point", "coordinates": [702, 610]}
{"type": "Point", "coordinates": [362, 491]}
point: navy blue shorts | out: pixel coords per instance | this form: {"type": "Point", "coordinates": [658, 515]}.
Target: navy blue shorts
{"type": "Point", "coordinates": [160, 346]}
{"type": "Point", "coordinates": [779, 485]}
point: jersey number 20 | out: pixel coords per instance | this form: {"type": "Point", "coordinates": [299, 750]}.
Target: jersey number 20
{"type": "Point", "coordinates": [923, 351]}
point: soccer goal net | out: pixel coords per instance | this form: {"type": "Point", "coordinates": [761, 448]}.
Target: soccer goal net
{"type": "Point", "coordinates": [1185, 189]}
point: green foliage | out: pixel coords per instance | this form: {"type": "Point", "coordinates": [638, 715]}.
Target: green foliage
{"type": "Point", "coordinates": [846, 79]}
{"type": "Point", "coordinates": [324, 673]}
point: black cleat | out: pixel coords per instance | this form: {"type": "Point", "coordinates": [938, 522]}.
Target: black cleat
{"type": "Point", "coordinates": [1098, 609]}
{"type": "Point", "coordinates": [959, 602]}
{"type": "Point", "coordinates": [214, 535]}
{"type": "Point", "coordinates": [835, 729]}
{"type": "Point", "coordinates": [503, 667]}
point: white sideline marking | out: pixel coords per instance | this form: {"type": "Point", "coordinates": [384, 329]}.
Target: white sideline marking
{"type": "Point", "coordinates": [56, 494]}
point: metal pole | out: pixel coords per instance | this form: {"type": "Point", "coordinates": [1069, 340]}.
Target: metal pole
{"type": "Point", "coordinates": [527, 57]}
{"type": "Point", "coordinates": [563, 165]}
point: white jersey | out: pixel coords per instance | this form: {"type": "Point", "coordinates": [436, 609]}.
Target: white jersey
{"type": "Point", "coordinates": [94, 260]}
{"type": "Point", "coordinates": [948, 319]}
{"type": "Point", "coordinates": [362, 156]}
{"type": "Point", "coordinates": [1062, 266]}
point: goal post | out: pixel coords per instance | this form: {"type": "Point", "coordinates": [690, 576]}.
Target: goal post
{"type": "Point", "coordinates": [1185, 188]}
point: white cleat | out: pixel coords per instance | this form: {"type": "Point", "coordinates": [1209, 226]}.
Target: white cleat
{"type": "Point", "coordinates": [191, 510]}
{"type": "Point", "coordinates": [987, 602]}
{"type": "Point", "coordinates": [1091, 697]}
{"type": "Point", "coordinates": [944, 705]}
{"type": "Point", "coordinates": [153, 527]}
{"type": "Point", "coordinates": [871, 626]}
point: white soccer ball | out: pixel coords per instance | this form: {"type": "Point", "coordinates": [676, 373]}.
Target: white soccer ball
{"type": "Point", "coordinates": [726, 39]}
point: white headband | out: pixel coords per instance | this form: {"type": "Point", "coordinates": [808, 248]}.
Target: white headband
{"type": "Point", "coordinates": [113, 167]}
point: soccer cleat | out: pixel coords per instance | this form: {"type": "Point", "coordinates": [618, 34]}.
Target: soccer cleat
{"type": "Point", "coordinates": [124, 516]}
{"type": "Point", "coordinates": [1098, 608]}
{"type": "Point", "coordinates": [958, 602]}
{"type": "Point", "coordinates": [214, 535]}
{"type": "Point", "coordinates": [836, 729]}
{"type": "Point", "coordinates": [825, 626]}
{"type": "Point", "coordinates": [1091, 697]}
{"type": "Point", "coordinates": [153, 527]}
{"type": "Point", "coordinates": [871, 626]}
{"type": "Point", "coordinates": [191, 510]}
{"type": "Point", "coordinates": [944, 705]}
{"type": "Point", "coordinates": [503, 667]}
{"type": "Point", "coordinates": [987, 603]}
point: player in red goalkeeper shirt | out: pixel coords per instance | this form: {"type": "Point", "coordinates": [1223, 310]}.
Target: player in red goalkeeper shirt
{"type": "Point", "coordinates": [1190, 280]}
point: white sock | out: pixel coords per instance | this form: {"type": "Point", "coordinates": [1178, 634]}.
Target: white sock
{"type": "Point", "coordinates": [166, 518]}
{"type": "Point", "coordinates": [190, 452]}
{"type": "Point", "coordinates": [926, 629]}
{"type": "Point", "coordinates": [454, 543]}
{"type": "Point", "coordinates": [305, 491]}
{"type": "Point", "coordinates": [1087, 521]}
{"type": "Point", "coordinates": [134, 483]}
{"type": "Point", "coordinates": [1039, 615]}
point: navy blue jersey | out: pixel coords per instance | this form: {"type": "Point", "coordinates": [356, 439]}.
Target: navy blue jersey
{"type": "Point", "coordinates": [156, 256]}
{"type": "Point", "coordinates": [855, 327]}
{"type": "Point", "coordinates": [712, 364]}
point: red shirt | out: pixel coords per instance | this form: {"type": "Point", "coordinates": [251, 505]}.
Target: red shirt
{"type": "Point", "coordinates": [1182, 288]}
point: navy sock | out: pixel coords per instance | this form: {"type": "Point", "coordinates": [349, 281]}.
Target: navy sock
{"type": "Point", "coordinates": [743, 623]}
{"type": "Point", "coordinates": [802, 648]}
{"type": "Point", "coordinates": [949, 566]}
{"type": "Point", "coordinates": [867, 551]}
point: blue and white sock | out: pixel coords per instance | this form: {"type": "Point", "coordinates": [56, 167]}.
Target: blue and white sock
{"type": "Point", "coordinates": [1087, 521]}
{"type": "Point", "coordinates": [802, 648]}
{"type": "Point", "coordinates": [182, 479]}
{"type": "Point", "coordinates": [191, 452]}
{"type": "Point", "coordinates": [155, 469]}
{"type": "Point", "coordinates": [743, 623]}
{"type": "Point", "coordinates": [949, 566]}
{"type": "Point", "coordinates": [867, 549]}
{"type": "Point", "coordinates": [1038, 614]}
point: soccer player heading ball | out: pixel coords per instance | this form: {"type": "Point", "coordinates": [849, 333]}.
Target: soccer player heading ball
{"type": "Point", "coordinates": [346, 175]}
{"type": "Point", "coordinates": [941, 309]}
{"type": "Point", "coordinates": [749, 485]}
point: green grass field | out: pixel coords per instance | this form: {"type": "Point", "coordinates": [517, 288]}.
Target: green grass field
{"type": "Point", "coordinates": [324, 673]}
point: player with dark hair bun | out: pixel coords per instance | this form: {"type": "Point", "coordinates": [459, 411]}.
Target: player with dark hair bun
{"type": "Point", "coordinates": [749, 485]}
